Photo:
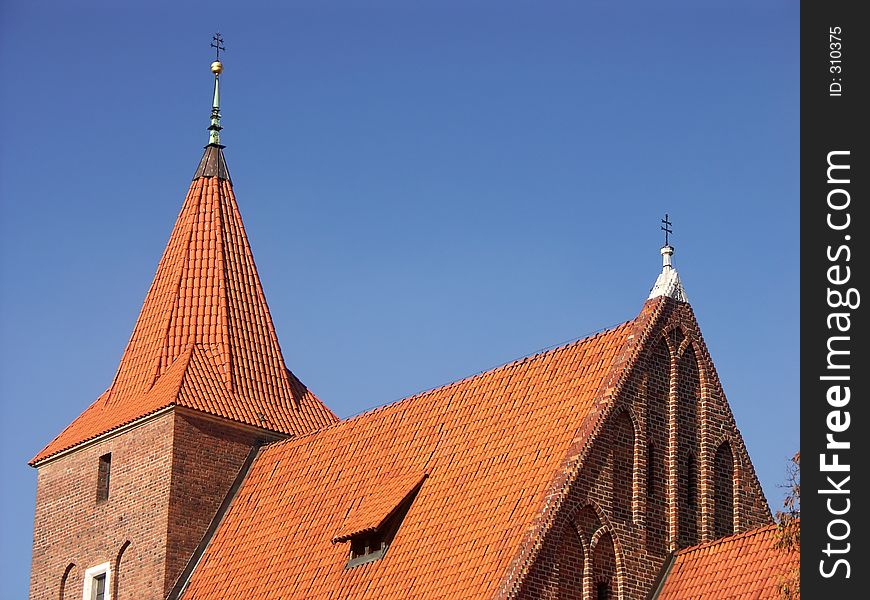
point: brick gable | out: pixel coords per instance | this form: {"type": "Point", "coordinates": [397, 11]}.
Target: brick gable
{"type": "Point", "coordinates": [587, 502]}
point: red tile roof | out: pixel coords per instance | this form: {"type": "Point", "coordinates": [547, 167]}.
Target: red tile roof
{"type": "Point", "coordinates": [204, 338]}
{"type": "Point", "coordinates": [490, 445]}
{"type": "Point", "coordinates": [370, 511]}
{"type": "Point", "coordinates": [746, 565]}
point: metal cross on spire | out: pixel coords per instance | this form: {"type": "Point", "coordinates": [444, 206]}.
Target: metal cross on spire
{"type": "Point", "coordinates": [218, 45]}
{"type": "Point", "coordinates": [666, 227]}
{"type": "Point", "coordinates": [668, 282]}
{"type": "Point", "coordinates": [217, 67]}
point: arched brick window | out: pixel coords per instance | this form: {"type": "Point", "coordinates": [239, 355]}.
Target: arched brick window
{"type": "Point", "coordinates": [677, 337]}
{"type": "Point", "coordinates": [688, 401]}
{"type": "Point", "coordinates": [658, 370]}
{"type": "Point", "coordinates": [688, 505]}
{"type": "Point", "coordinates": [604, 568]}
{"type": "Point", "coordinates": [623, 466]}
{"type": "Point", "coordinates": [570, 565]}
{"type": "Point", "coordinates": [587, 523]}
{"type": "Point", "coordinates": [723, 491]}
{"type": "Point", "coordinates": [116, 579]}
{"type": "Point", "coordinates": [70, 586]}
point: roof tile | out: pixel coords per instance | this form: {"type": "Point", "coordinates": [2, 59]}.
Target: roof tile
{"type": "Point", "coordinates": [746, 565]}
{"type": "Point", "coordinates": [490, 445]}
{"type": "Point", "coordinates": [206, 310]}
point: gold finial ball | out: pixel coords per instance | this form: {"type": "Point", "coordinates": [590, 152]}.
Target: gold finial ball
{"type": "Point", "coordinates": [217, 67]}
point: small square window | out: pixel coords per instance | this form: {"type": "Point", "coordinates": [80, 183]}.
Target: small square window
{"type": "Point", "coordinates": [366, 548]}
{"type": "Point", "coordinates": [366, 545]}
{"type": "Point", "coordinates": [98, 587]}
{"type": "Point", "coordinates": [357, 546]}
{"type": "Point", "coordinates": [104, 472]}
{"type": "Point", "coordinates": [97, 581]}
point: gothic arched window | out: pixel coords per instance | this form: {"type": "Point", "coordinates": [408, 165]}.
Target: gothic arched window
{"type": "Point", "coordinates": [658, 385]}
{"type": "Point", "coordinates": [570, 564]}
{"type": "Point", "coordinates": [623, 466]}
{"type": "Point", "coordinates": [723, 491]}
{"type": "Point", "coordinates": [68, 584]}
{"type": "Point", "coordinates": [688, 445]}
{"type": "Point", "coordinates": [604, 567]}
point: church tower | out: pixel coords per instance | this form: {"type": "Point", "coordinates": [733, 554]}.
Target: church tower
{"type": "Point", "coordinates": [596, 469]}
{"type": "Point", "coordinates": [130, 488]}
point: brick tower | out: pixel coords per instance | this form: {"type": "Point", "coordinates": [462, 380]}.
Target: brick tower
{"type": "Point", "coordinates": [129, 489]}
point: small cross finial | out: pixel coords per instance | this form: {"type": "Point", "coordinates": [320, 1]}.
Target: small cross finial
{"type": "Point", "coordinates": [668, 282]}
{"type": "Point", "coordinates": [218, 44]}
{"type": "Point", "coordinates": [666, 227]}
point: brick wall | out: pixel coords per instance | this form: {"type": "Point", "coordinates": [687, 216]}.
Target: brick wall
{"type": "Point", "coordinates": [72, 528]}
{"type": "Point", "coordinates": [672, 402]}
{"type": "Point", "coordinates": [167, 478]}
{"type": "Point", "coordinates": [206, 460]}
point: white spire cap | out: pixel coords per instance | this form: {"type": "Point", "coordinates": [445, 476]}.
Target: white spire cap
{"type": "Point", "coordinates": [668, 282]}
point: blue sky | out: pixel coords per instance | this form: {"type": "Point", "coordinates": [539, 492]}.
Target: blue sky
{"type": "Point", "coordinates": [431, 189]}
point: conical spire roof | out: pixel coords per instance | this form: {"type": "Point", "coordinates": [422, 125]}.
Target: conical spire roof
{"type": "Point", "coordinates": [207, 293]}
{"type": "Point", "coordinates": [204, 338]}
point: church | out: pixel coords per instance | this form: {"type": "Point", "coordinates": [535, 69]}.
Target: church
{"type": "Point", "coordinates": [610, 467]}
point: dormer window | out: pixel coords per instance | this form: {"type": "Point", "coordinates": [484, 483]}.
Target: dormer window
{"type": "Point", "coordinates": [104, 471]}
{"type": "Point", "coordinates": [367, 547]}
{"type": "Point", "coordinates": [372, 522]}
{"type": "Point", "coordinates": [371, 545]}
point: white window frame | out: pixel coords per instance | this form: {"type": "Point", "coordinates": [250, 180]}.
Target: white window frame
{"type": "Point", "coordinates": [93, 572]}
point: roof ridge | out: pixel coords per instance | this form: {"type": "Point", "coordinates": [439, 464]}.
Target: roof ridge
{"type": "Point", "coordinates": [515, 361]}
{"type": "Point", "coordinates": [101, 398]}
{"type": "Point", "coordinates": [573, 459]}
{"type": "Point", "coordinates": [731, 538]}
{"type": "Point", "coordinates": [405, 399]}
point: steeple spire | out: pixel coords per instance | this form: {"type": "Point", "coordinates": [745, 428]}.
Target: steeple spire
{"type": "Point", "coordinates": [213, 163]}
{"type": "Point", "coordinates": [204, 339]}
{"type": "Point", "coordinates": [217, 67]}
{"type": "Point", "coordinates": [668, 282]}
